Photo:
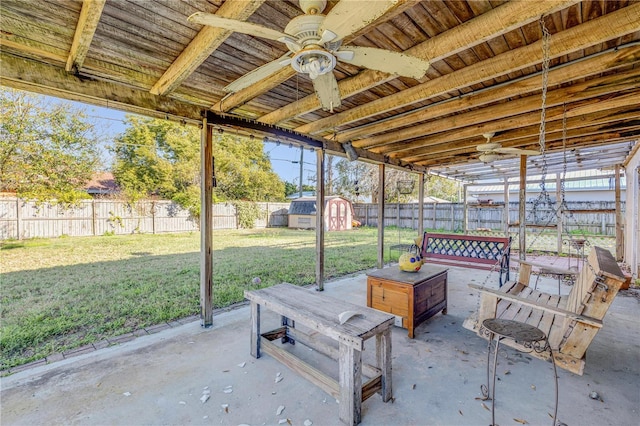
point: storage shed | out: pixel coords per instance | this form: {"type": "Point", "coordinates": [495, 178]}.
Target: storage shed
{"type": "Point", "coordinates": [338, 213]}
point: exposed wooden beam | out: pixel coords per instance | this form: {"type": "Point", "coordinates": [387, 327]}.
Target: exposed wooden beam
{"type": "Point", "coordinates": [618, 100]}
{"type": "Point", "coordinates": [586, 90]}
{"type": "Point", "coordinates": [203, 45]}
{"type": "Point", "coordinates": [238, 98]}
{"type": "Point", "coordinates": [446, 152]}
{"type": "Point", "coordinates": [233, 100]}
{"type": "Point", "coordinates": [86, 28]}
{"type": "Point", "coordinates": [38, 77]}
{"type": "Point", "coordinates": [604, 61]}
{"type": "Point", "coordinates": [596, 31]}
{"type": "Point", "coordinates": [31, 52]}
{"type": "Point", "coordinates": [597, 140]}
{"type": "Point", "coordinates": [495, 22]}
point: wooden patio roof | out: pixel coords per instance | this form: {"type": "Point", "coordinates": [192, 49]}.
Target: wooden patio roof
{"type": "Point", "coordinates": [144, 56]}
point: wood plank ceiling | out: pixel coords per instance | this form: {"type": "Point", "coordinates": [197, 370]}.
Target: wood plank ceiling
{"type": "Point", "coordinates": [485, 76]}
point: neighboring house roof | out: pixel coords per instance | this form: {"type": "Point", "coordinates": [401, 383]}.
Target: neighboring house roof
{"type": "Point", "coordinates": [102, 183]}
{"type": "Point", "coordinates": [429, 199]}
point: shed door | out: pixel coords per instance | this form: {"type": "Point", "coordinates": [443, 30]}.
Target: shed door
{"type": "Point", "coordinates": [338, 215]}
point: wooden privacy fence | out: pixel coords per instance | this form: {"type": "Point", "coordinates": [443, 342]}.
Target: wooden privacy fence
{"type": "Point", "coordinates": [21, 219]}
{"type": "Point", "coordinates": [593, 217]}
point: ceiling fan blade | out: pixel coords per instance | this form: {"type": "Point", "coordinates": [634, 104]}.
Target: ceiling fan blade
{"type": "Point", "coordinates": [258, 74]}
{"type": "Point", "coordinates": [326, 87]}
{"type": "Point", "coordinates": [235, 25]}
{"type": "Point", "coordinates": [350, 16]}
{"type": "Point", "coordinates": [517, 151]}
{"type": "Point", "coordinates": [488, 147]}
{"type": "Point", "coordinates": [385, 60]}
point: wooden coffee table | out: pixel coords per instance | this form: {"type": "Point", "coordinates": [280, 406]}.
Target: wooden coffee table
{"type": "Point", "coordinates": [412, 296]}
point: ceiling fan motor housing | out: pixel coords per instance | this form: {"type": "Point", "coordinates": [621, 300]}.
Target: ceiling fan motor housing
{"type": "Point", "coordinates": [313, 59]}
{"type": "Point", "coordinates": [311, 7]}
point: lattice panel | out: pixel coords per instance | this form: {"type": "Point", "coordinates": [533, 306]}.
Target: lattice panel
{"type": "Point", "coordinates": [466, 248]}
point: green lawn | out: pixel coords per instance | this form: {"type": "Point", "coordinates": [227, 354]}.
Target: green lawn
{"type": "Point", "coordinates": [59, 294]}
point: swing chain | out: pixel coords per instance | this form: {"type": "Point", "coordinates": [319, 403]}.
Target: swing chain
{"type": "Point", "coordinates": [543, 198]}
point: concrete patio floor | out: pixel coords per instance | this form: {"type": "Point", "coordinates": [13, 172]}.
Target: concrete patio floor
{"type": "Point", "coordinates": [161, 378]}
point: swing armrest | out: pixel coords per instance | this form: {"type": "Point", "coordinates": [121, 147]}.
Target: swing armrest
{"type": "Point", "coordinates": [547, 268]}
{"type": "Point", "coordinates": [537, 305]}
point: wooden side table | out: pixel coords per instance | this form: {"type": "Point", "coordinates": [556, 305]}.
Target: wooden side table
{"type": "Point", "coordinates": [412, 296]}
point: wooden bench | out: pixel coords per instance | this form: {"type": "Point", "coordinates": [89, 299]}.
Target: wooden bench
{"type": "Point", "coordinates": [348, 324]}
{"type": "Point", "coordinates": [470, 251]}
{"type": "Point", "coordinates": [571, 321]}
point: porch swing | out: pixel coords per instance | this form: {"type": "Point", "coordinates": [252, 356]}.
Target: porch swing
{"type": "Point", "coordinates": [570, 322]}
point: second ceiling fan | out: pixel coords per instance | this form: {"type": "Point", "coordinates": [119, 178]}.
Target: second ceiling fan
{"type": "Point", "coordinates": [492, 151]}
{"type": "Point", "coordinates": [315, 46]}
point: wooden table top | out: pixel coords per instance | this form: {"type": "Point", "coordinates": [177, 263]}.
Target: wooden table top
{"type": "Point", "coordinates": [322, 312]}
{"type": "Point", "coordinates": [393, 273]}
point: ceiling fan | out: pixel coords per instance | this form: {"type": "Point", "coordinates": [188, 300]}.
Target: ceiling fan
{"type": "Point", "coordinates": [492, 151]}
{"type": "Point", "coordinates": [315, 46]}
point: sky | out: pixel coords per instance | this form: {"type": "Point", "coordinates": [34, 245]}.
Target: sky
{"type": "Point", "coordinates": [285, 160]}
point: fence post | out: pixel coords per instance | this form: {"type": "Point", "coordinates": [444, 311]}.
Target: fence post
{"type": "Point", "coordinates": [153, 217]}
{"type": "Point", "coordinates": [18, 220]}
{"type": "Point", "coordinates": [433, 225]}
{"type": "Point", "coordinates": [93, 217]}
{"type": "Point", "coordinates": [453, 219]}
{"type": "Point", "coordinates": [266, 219]}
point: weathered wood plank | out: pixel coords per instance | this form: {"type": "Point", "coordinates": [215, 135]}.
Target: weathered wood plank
{"type": "Point", "coordinates": [610, 26]}
{"type": "Point", "coordinates": [203, 45]}
{"type": "Point", "coordinates": [54, 81]}
{"type": "Point", "coordinates": [484, 27]}
{"type": "Point", "coordinates": [321, 313]}
{"type": "Point", "coordinates": [525, 302]}
{"type": "Point", "coordinates": [87, 24]}
{"type": "Point", "coordinates": [309, 372]}
{"type": "Point", "coordinates": [350, 384]}
{"type": "Point", "coordinates": [586, 90]}
{"type": "Point", "coordinates": [564, 74]}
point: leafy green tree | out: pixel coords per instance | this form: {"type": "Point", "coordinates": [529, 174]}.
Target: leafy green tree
{"type": "Point", "coordinates": [159, 157]}
{"type": "Point", "coordinates": [292, 188]}
{"type": "Point", "coordinates": [356, 180]}
{"type": "Point", "coordinates": [48, 151]}
{"type": "Point", "coordinates": [243, 170]}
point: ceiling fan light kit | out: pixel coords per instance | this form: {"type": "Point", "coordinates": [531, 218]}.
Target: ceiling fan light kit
{"type": "Point", "coordinates": [314, 41]}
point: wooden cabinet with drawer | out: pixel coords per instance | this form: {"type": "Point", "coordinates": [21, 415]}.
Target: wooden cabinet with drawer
{"type": "Point", "coordinates": [412, 296]}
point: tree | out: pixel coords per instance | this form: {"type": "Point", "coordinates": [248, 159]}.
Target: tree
{"type": "Point", "coordinates": [48, 151]}
{"type": "Point", "coordinates": [243, 170]}
{"type": "Point", "coordinates": [356, 179]}
{"type": "Point", "coordinates": [291, 188]}
{"type": "Point", "coordinates": [159, 157]}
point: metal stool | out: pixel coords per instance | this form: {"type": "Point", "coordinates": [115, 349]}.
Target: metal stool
{"type": "Point", "coordinates": [529, 336]}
